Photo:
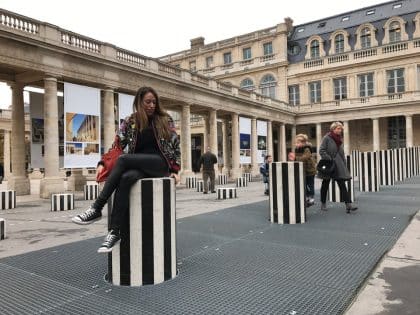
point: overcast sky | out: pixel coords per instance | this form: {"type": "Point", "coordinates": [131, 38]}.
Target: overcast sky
{"type": "Point", "coordinates": [158, 27]}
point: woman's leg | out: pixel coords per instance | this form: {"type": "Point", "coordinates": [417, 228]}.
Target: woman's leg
{"type": "Point", "coordinates": [310, 184]}
{"type": "Point", "coordinates": [324, 190]}
{"type": "Point", "coordinates": [343, 190]}
{"type": "Point", "coordinates": [151, 165]}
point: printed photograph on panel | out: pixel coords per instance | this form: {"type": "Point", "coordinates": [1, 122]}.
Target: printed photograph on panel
{"type": "Point", "coordinates": [74, 148]}
{"type": "Point", "coordinates": [82, 128]}
{"type": "Point", "coordinates": [91, 148]}
{"type": "Point", "coordinates": [262, 143]}
{"type": "Point", "coordinates": [37, 130]}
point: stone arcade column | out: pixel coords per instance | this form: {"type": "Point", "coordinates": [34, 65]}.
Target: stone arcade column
{"type": "Point", "coordinates": [409, 130]}
{"type": "Point", "coordinates": [318, 137]}
{"type": "Point", "coordinates": [346, 139]}
{"type": "Point", "coordinates": [6, 154]}
{"type": "Point", "coordinates": [269, 137]}
{"type": "Point", "coordinates": [206, 140]}
{"type": "Point", "coordinates": [254, 147]}
{"type": "Point", "coordinates": [236, 170]}
{"type": "Point", "coordinates": [186, 169]}
{"type": "Point", "coordinates": [52, 181]}
{"type": "Point", "coordinates": [18, 180]}
{"type": "Point", "coordinates": [109, 118]}
{"type": "Point", "coordinates": [292, 141]}
{"type": "Point", "coordinates": [375, 122]}
{"type": "Point", "coordinates": [225, 148]}
{"type": "Point", "coordinates": [213, 135]}
{"type": "Point", "coordinates": [282, 143]}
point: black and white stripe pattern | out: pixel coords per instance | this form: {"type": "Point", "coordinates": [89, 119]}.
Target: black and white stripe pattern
{"type": "Point", "coordinates": [91, 191]}
{"type": "Point", "coordinates": [223, 179]}
{"type": "Point", "coordinates": [417, 160]}
{"type": "Point", "coordinates": [61, 202]}
{"type": "Point", "coordinates": [241, 182]}
{"type": "Point", "coordinates": [226, 193]}
{"type": "Point", "coordinates": [200, 185]}
{"type": "Point", "coordinates": [369, 171]}
{"type": "Point", "coordinates": [147, 251]}
{"type": "Point", "coordinates": [248, 177]}
{"type": "Point", "coordinates": [355, 157]}
{"type": "Point", "coordinates": [2, 229]}
{"type": "Point", "coordinates": [191, 182]}
{"type": "Point", "coordinates": [334, 194]}
{"type": "Point", "coordinates": [400, 161]}
{"type": "Point", "coordinates": [287, 193]}
{"type": "Point", "coordinates": [386, 167]}
{"type": "Point", "coordinates": [8, 199]}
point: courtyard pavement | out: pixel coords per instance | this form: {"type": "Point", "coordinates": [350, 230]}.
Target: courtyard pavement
{"type": "Point", "coordinates": [231, 260]}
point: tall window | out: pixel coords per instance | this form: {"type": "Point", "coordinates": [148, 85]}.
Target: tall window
{"type": "Point", "coordinates": [246, 53]}
{"type": "Point", "coordinates": [315, 49]}
{"type": "Point", "coordinates": [365, 38]}
{"type": "Point", "coordinates": [418, 78]}
{"type": "Point", "coordinates": [339, 44]}
{"type": "Point", "coordinates": [268, 86]}
{"type": "Point", "coordinates": [394, 32]}
{"type": "Point", "coordinates": [268, 48]}
{"type": "Point", "coordinates": [365, 84]}
{"type": "Point", "coordinates": [247, 84]}
{"type": "Point", "coordinates": [315, 92]}
{"type": "Point", "coordinates": [209, 61]}
{"type": "Point", "coordinates": [227, 58]}
{"type": "Point", "coordinates": [395, 81]}
{"type": "Point", "coordinates": [193, 66]}
{"type": "Point", "coordinates": [294, 96]}
{"type": "Point", "coordinates": [340, 88]}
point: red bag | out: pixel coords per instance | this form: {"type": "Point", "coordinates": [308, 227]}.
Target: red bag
{"type": "Point", "coordinates": [109, 159]}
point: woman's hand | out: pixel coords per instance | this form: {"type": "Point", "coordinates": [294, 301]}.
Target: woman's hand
{"type": "Point", "coordinates": [291, 156]}
{"type": "Point", "coordinates": [99, 169]}
{"type": "Point", "coordinates": [176, 177]}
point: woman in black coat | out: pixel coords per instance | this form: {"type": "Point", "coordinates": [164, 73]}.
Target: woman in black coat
{"type": "Point", "coordinates": [331, 148]}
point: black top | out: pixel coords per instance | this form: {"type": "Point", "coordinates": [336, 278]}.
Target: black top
{"type": "Point", "coordinates": [208, 160]}
{"type": "Point", "coordinates": [146, 141]}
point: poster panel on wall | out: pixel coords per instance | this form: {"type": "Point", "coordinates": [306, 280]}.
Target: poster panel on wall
{"type": "Point", "coordinates": [36, 101]}
{"type": "Point", "coordinates": [244, 140]}
{"type": "Point", "coordinates": [261, 140]}
{"type": "Point", "coordinates": [82, 107]}
{"type": "Point", "coordinates": [125, 106]}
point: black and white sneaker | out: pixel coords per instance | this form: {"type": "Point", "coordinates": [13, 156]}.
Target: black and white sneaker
{"type": "Point", "coordinates": [110, 240]}
{"type": "Point", "coordinates": [87, 217]}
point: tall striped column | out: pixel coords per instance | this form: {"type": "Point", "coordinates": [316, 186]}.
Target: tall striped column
{"type": "Point", "coordinates": [147, 251]}
{"type": "Point", "coordinates": [248, 177]}
{"type": "Point", "coordinates": [287, 193]}
{"type": "Point", "coordinates": [417, 160]}
{"type": "Point", "coordinates": [355, 154]}
{"type": "Point", "coordinates": [386, 167]}
{"type": "Point", "coordinates": [409, 168]}
{"type": "Point", "coordinates": [2, 229]}
{"type": "Point", "coordinates": [400, 161]}
{"type": "Point", "coordinates": [334, 193]}
{"type": "Point", "coordinates": [369, 171]}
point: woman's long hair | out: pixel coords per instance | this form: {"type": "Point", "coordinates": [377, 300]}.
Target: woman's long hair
{"type": "Point", "coordinates": [160, 117]}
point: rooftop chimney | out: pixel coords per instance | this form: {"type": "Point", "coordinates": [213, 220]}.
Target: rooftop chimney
{"type": "Point", "coordinates": [197, 43]}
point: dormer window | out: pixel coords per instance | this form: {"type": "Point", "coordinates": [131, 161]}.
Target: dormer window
{"type": "Point", "coordinates": [394, 32]}
{"type": "Point", "coordinates": [339, 44]}
{"type": "Point", "coordinates": [365, 38]}
{"type": "Point", "coordinates": [315, 49]}
{"type": "Point", "coordinates": [370, 12]}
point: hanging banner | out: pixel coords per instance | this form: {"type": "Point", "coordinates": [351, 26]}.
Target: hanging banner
{"type": "Point", "coordinates": [36, 101]}
{"type": "Point", "coordinates": [244, 140]}
{"type": "Point", "coordinates": [125, 106]}
{"type": "Point", "coordinates": [82, 107]}
{"type": "Point", "coordinates": [261, 140]}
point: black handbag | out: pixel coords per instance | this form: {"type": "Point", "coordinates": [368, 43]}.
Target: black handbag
{"type": "Point", "coordinates": [326, 168]}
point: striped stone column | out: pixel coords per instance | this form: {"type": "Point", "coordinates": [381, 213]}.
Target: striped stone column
{"type": "Point", "coordinates": [386, 167]}
{"type": "Point", "coordinates": [334, 194]}
{"type": "Point", "coordinates": [355, 154]}
{"type": "Point", "coordinates": [287, 193]}
{"type": "Point", "coordinates": [248, 177]}
{"type": "Point", "coordinates": [91, 191]}
{"type": "Point", "coordinates": [62, 202]}
{"type": "Point", "coordinates": [369, 171]}
{"type": "Point", "coordinates": [400, 161]}
{"type": "Point", "coordinates": [200, 185]}
{"type": "Point", "coordinates": [226, 193]}
{"type": "Point", "coordinates": [223, 179]}
{"type": "Point", "coordinates": [241, 182]}
{"type": "Point", "coordinates": [2, 229]}
{"type": "Point", "coordinates": [8, 199]}
{"type": "Point", "coordinates": [191, 182]}
{"type": "Point", "coordinates": [147, 251]}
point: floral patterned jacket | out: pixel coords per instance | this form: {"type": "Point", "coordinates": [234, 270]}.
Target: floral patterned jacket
{"type": "Point", "coordinates": [127, 137]}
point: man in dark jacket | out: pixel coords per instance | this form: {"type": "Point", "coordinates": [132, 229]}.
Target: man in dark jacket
{"type": "Point", "coordinates": [208, 160]}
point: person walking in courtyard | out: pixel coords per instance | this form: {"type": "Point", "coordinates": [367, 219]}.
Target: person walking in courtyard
{"type": "Point", "coordinates": [151, 148]}
{"type": "Point", "coordinates": [264, 170]}
{"type": "Point", "coordinates": [207, 160]}
{"type": "Point", "coordinates": [331, 149]}
{"type": "Point", "coordinates": [303, 153]}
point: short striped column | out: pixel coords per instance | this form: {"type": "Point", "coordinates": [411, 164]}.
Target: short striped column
{"type": "Point", "coordinates": [200, 185]}
{"type": "Point", "coordinates": [417, 160]}
{"type": "Point", "coordinates": [147, 251]}
{"type": "Point", "coordinates": [287, 193]}
{"type": "Point", "coordinates": [2, 229]}
{"type": "Point", "coordinates": [191, 182]}
{"type": "Point", "coordinates": [226, 193]}
{"type": "Point", "coordinates": [334, 193]}
{"type": "Point", "coordinates": [91, 191]}
{"type": "Point", "coordinates": [62, 202]}
{"type": "Point", "coordinates": [355, 157]}
{"type": "Point", "coordinates": [369, 171]}
{"type": "Point", "coordinates": [411, 162]}
{"type": "Point", "coordinates": [8, 199]}
{"type": "Point", "coordinates": [223, 179]}
{"type": "Point", "coordinates": [241, 182]}
{"type": "Point", "coordinates": [400, 161]}
{"type": "Point", "coordinates": [248, 177]}
{"type": "Point", "coordinates": [386, 167]}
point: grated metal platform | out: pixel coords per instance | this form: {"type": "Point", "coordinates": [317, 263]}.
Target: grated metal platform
{"type": "Point", "coordinates": [230, 262]}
